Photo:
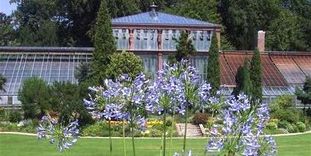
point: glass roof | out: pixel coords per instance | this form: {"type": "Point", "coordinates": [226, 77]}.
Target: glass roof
{"type": "Point", "coordinates": [48, 66]}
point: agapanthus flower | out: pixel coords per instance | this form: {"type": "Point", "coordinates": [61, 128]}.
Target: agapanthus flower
{"type": "Point", "coordinates": [141, 123]}
{"type": "Point", "coordinates": [242, 126]}
{"type": "Point", "coordinates": [116, 97]}
{"type": "Point", "coordinates": [64, 136]}
{"type": "Point", "coordinates": [175, 89]}
{"type": "Point", "coordinates": [165, 94]}
{"type": "Point", "coordinates": [113, 111]}
{"type": "Point", "coordinates": [272, 148]}
{"type": "Point", "coordinates": [251, 144]}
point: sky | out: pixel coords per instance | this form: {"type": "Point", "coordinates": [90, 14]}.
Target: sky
{"type": "Point", "coordinates": [6, 7]}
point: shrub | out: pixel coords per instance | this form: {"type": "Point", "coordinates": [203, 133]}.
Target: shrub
{"type": "Point", "coordinates": [15, 116]}
{"type": "Point", "coordinates": [98, 129]}
{"type": "Point", "coordinates": [283, 109]}
{"type": "Point", "coordinates": [169, 122]}
{"type": "Point", "coordinates": [295, 128]}
{"type": "Point", "coordinates": [2, 114]}
{"type": "Point", "coordinates": [272, 125]}
{"type": "Point", "coordinates": [301, 126]}
{"type": "Point", "coordinates": [155, 133]}
{"type": "Point", "coordinates": [283, 124]}
{"type": "Point", "coordinates": [67, 101]}
{"type": "Point", "coordinates": [34, 96]}
{"type": "Point", "coordinates": [101, 129]}
{"type": "Point", "coordinates": [290, 128]}
{"type": "Point", "coordinates": [200, 118]}
{"type": "Point", "coordinates": [124, 63]}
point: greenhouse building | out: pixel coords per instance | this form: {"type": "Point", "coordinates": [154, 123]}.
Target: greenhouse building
{"type": "Point", "coordinates": [152, 36]}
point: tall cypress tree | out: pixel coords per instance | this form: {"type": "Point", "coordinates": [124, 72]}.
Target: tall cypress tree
{"type": "Point", "coordinates": [184, 48]}
{"type": "Point", "coordinates": [213, 67]}
{"type": "Point", "coordinates": [104, 44]}
{"type": "Point", "coordinates": [242, 79]}
{"type": "Point", "coordinates": [256, 76]}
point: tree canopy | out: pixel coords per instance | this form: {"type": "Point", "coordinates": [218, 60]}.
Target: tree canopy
{"type": "Point", "coordinates": [72, 23]}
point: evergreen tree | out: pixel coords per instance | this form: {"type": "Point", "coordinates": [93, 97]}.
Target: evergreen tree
{"type": "Point", "coordinates": [242, 79]}
{"type": "Point", "coordinates": [213, 67]}
{"type": "Point", "coordinates": [305, 94]}
{"type": "Point", "coordinates": [256, 76]}
{"type": "Point", "coordinates": [184, 48]}
{"type": "Point", "coordinates": [2, 82]}
{"type": "Point", "coordinates": [82, 72]}
{"type": "Point", "coordinates": [104, 45]}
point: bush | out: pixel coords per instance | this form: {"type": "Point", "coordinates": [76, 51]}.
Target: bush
{"type": "Point", "coordinates": [124, 63]}
{"type": "Point", "coordinates": [66, 99]}
{"type": "Point", "coordinates": [290, 128]}
{"type": "Point", "coordinates": [155, 133]}
{"type": "Point", "coordinates": [272, 125]}
{"type": "Point", "coordinates": [283, 109]}
{"type": "Point", "coordinates": [34, 96]}
{"type": "Point", "coordinates": [101, 129]}
{"type": "Point", "coordinates": [13, 127]}
{"type": "Point", "coordinates": [98, 129]}
{"type": "Point", "coordinates": [301, 126]}
{"type": "Point", "coordinates": [15, 116]}
{"type": "Point", "coordinates": [283, 124]}
{"type": "Point", "coordinates": [200, 118]}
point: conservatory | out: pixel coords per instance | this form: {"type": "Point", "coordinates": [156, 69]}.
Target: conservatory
{"type": "Point", "coordinates": [152, 36]}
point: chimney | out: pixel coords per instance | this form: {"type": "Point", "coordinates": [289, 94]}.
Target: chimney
{"type": "Point", "coordinates": [153, 10]}
{"type": "Point", "coordinates": [261, 41]}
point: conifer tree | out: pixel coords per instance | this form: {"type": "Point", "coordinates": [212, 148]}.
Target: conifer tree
{"type": "Point", "coordinates": [184, 48]}
{"type": "Point", "coordinates": [242, 79]}
{"type": "Point", "coordinates": [213, 67]}
{"type": "Point", "coordinates": [304, 94]}
{"type": "Point", "coordinates": [104, 44]}
{"type": "Point", "coordinates": [256, 77]}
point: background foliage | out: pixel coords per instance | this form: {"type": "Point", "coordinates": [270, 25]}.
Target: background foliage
{"type": "Point", "coordinates": [72, 23]}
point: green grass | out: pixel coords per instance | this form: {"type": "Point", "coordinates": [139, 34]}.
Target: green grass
{"type": "Point", "coordinates": [17, 145]}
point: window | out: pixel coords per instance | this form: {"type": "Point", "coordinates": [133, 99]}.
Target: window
{"type": "Point", "coordinates": [121, 38]}
{"type": "Point", "coordinates": [201, 40]}
{"type": "Point", "coordinates": [208, 36]}
{"type": "Point", "coordinates": [145, 39]}
{"type": "Point", "coordinates": [116, 34]}
{"type": "Point", "coordinates": [169, 38]}
{"type": "Point", "coordinates": [138, 34]}
{"type": "Point", "coordinates": [124, 33]}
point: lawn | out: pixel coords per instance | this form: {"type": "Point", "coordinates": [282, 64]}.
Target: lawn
{"type": "Point", "coordinates": [17, 145]}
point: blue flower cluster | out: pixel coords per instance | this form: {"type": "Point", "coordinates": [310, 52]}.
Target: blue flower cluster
{"type": "Point", "coordinates": [65, 137]}
{"type": "Point", "coordinates": [115, 98]}
{"type": "Point", "coordinates": [241, 129]}
{"type": "Point", "coordinates": [175, 88]}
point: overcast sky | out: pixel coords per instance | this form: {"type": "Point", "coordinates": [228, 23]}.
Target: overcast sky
{"type": "Point", "coordinates": [6, 7]}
